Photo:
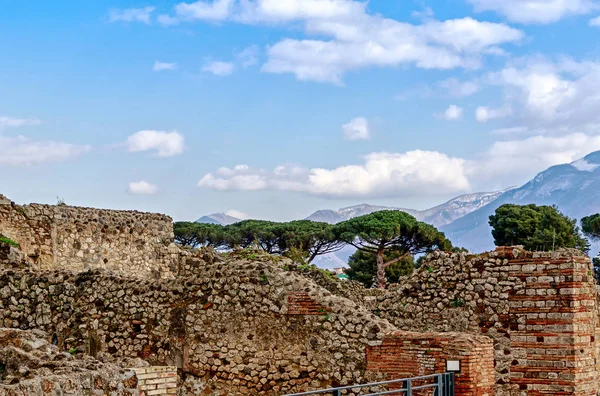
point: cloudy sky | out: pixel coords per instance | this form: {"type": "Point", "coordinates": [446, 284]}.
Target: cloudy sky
{"type": "Point", "coordinates": [276, 108]}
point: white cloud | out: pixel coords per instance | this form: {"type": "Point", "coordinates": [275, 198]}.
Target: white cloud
{"type": "Point", "coordinates": [248, 56]}
{"type": "Point", "coordinates": [551, 97]}
{"type": "Point", "coordinates": [595, 21]}
{"type": "Point", "coordinates": [216, 10]}
{"type": "Point", "coordinates": [237, 214]}
{"type": "Point", "coordinates": [357, 129]}
{"type": "Point", "coordinates": [160, 66]}
{"type": "Point", "coordinates": [458, 88]}
{"type": "Point", "coordinates": [452, 113]}
{"type": "Point", "coordinates": [484, 114]}
{"type": "Point", "coordinates": [167, 20]}
{"type": "Point", "coordinates": [414, 173]}
{"type": "Point", "coordinates": [166, 144]}
{"type": "Point", "coordinates": [510, 130]}
{"type": "Point", "coordinates": [9, 122]}
{"type": "Point", "coordinates": [142, 188]}
{"type": "Point", "coordinates": [522, 159]}
{"type": "Point", "coordinates": [267, 10]}
{"type": "Point", "coordinates": [219, 68]}
{"type": "Point", "coordinates": [535, 11]}
{"type": "Point", "coordinates": [131, 14]}
{"type": "Point", "coordinates": [427, 13]}
{"type": "Point", "coordinates": [369, 41]}
{"type": "Point", "coordinates": [23, 151]}
{"type": "Point", "coordinates": [349, 38]}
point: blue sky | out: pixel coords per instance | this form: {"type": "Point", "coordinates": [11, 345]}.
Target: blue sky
{"type": "Point", "coordinates": [276, 108]}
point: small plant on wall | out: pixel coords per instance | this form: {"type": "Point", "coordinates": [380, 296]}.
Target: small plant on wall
{"type": "Point", "coordinates": [8, 241]}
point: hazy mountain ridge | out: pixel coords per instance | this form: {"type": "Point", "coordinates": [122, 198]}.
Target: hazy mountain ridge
{"type": "Point", "coordinates": [218, 218]}
{"type": "Point", "coordinates": [438, 216]}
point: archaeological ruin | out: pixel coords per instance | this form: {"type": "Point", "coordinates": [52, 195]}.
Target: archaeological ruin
{"type": "Point", "coordinates": [103, 302]}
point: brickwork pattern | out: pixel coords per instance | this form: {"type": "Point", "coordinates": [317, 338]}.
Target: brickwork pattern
{"type": "Point", "coordinates": [405, 355]}
{"type": "Point", "coordinates": [301, 303]}
{"type": "Point", "coordinates": [539, 308]}
{"type": "Point", "coordinates": [157, 380]}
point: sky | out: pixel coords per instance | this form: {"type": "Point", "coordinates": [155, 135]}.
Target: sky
{"type": "Point", "coordinates": [273, 109]}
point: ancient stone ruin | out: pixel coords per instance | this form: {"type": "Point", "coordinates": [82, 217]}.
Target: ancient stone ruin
{"type": "Point", "coordinates": [110, 290]}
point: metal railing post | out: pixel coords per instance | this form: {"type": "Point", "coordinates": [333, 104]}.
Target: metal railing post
{"type": "Point", "coordinates": [409, 388]}
{"type": "Point", "coordinates": [452, 385]}
{"type": "Point", "coordinates": [440, 385]}
{"type": "Point", "coordinates": [337, 393]}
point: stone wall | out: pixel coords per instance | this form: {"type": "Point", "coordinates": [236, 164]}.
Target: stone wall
{"type": "Point", "coordinates": [539, 308]}
{"type": "Point", "coordinates": [32, 366]}
{"type": "Point", "coordinates": [79, 239]}
{"type": "Point", "coordinates": [228, 326]}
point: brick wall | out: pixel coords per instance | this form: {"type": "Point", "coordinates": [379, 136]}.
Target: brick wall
{"type": "Point", "coordinates": [554, 327]}
{"type": "Point", "coordinates": [405, 354]}
{"type": "Point", "coordinates": [539, 308]}
{"type": "Point", "coordinates": [157, 380]}
{"type": "Point", "coordinates": [300, 303]}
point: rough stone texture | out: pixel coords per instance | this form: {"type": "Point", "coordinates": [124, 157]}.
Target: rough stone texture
{"type": "Point", "coordinates": [79, 239]}
{"type": "Point", "coordinates": [539, 308]}
{"type": "Point", "coordinates": [228, 326]}
{"type": "Point", "coordinates": [30, 365]}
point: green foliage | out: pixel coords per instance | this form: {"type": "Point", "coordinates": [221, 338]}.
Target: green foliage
{"type": "Point", "coordinates": [264, 279]}
{"type": "Point", "coordinates": [596, 263]}
{"type": "Point", "coordinates": [297, 255]}
{"type": "Point", "coordinates": [590, 225]}
{"type": "Point", "coordinates": [536, 228]}
{"type": "Point", "coordinates": [262, 233]}
{"type": "Point", "coordinates": [390, 231]}
{"type": "Point", "coordinates": [302, 240]}
{"type": "Point", "coordinates": [192, 234]}
{"type": "Point", "coordinates": [457, 302]}
{"type": "Point", "coordinates": [314, 238]}
{"type": "Point", "coordinates": [363, 267]}
{"type": "Point", "coordinates": [8, 241]}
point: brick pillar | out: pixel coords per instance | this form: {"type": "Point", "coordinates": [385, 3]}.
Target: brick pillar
{"type": "Point", "coordinates": [553, 326]}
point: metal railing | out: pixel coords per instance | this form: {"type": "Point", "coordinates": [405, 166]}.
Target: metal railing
{"type": "Point", "coordinates": [440, 384]}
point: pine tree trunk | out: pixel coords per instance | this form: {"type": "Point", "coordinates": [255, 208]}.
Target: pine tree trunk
{"type": "Point", "coordinates": [381, 280]}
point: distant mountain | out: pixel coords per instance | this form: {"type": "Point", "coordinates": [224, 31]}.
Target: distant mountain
{"type": "Point", "coordinates": [574, 188]}
{"type": "Point", "coordinates": [218, 218]}
{"type": "Point", "coordinates": [438, 216]}
{"type": "Point", "coordinates": [337, 216]}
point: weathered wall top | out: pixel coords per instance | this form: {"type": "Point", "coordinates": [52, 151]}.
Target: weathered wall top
{"type": "Point", "coordinates": [77, 238]}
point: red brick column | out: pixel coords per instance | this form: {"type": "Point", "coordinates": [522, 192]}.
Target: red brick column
{"type": "Point", "coordinates": [552, 336]}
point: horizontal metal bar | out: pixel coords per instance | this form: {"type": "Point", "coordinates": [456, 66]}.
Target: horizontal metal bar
{"type": "Point", "coordinates": [330, 390]}
{"type": "Point", "coordinates": [414, 388]}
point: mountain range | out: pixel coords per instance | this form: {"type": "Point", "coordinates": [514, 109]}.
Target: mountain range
{"type": "Point", "coordinates": [574, 188]}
